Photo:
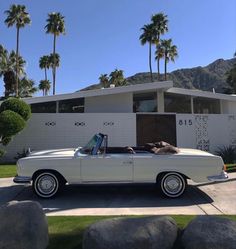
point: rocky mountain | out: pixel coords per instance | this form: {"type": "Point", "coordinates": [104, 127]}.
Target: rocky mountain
{"type": "Point", "coordinates": [203, 78]}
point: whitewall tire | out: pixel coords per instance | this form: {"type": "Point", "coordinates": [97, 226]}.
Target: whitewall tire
{"type": "Point", "coordinates": [172, 184]}
{"type": "Point", "coordinates": [46, 184]}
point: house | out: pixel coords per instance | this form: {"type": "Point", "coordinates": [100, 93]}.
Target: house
{"type": "Point", "coordinates": [130, 115]}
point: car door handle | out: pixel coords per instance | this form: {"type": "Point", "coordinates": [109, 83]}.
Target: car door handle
{"type": "Point", "coordinates": [127, 162]}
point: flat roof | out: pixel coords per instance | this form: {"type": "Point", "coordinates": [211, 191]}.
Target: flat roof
{"type": "Point", "coordinates": [200, 93]}
{"type": "Point", "coordinates": [164, 85]}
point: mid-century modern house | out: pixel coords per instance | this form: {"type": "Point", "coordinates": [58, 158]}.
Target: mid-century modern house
{"type": "Point", "coordinates": [130, 115]}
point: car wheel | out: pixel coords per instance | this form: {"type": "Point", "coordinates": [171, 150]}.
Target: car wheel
{"type": "Point", "coordinates": [172, 184]}
{"type": "Point", "coordinates": [46, 184]}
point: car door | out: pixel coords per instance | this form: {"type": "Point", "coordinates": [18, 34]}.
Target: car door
{"type": "Point", "coordinates": [107, 168]}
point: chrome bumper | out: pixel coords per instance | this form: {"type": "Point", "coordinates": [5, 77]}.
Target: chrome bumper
{"type": "Point", "coordinates": [219, 178]}
{"type": "Point", "coordinates": [22, 179]}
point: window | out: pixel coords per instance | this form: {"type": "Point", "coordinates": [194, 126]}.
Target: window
{"type": "Point", "coordinates": [145, 102]}
{"type": "Point", "coordinates": [45, 107]}
{"type": "Point", "coordinates": [71, 105]}
{"type": "Point", "coordinates": [177, 103]}
{"type": "Point", "coordinates": [206, 105]}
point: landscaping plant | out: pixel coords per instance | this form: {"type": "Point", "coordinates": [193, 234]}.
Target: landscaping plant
{"type": "Point", "coordinates": [13, 116]}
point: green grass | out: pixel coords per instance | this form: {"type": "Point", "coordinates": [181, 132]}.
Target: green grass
{"type": "Point", "coordinates": [7, 170]}
{"type": "Point", "coordinates": [231, 167]}
{"type": "Point", "coordinates": [67, 231]}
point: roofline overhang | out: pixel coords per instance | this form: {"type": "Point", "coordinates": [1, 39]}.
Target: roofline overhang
{"type": "Point", "coordinates": [199, 93]}
{"type": "Point", "coordinates": [164, 85]}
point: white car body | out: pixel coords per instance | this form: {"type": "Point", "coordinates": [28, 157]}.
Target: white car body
{"type": "Point", "coordinates": [77, 167]}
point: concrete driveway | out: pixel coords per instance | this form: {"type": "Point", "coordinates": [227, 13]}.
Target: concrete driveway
{"type": "Point", "coordinates": [199, 199]}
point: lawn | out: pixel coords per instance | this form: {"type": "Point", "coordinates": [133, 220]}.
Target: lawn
{"type": "Point", "coordinates": [10, 170]}
{"type": "Point", "coordinates": [67, 232]}
{"type": "Point", "coordinates": [7, 170]}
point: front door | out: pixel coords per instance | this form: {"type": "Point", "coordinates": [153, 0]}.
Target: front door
{"type": "Point", "coordinates": [156, 127]}
{"type": "Point", "coordinates": [107, 168]}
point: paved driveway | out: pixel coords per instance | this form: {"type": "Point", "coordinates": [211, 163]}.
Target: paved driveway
{"type": "Point", "coordinates": [217, 198]}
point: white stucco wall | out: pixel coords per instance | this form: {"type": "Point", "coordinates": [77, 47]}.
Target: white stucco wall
{"type": "Point", "coordinates": [113, 103]}
{"type": "Point", "coordinates": [206, 132]}
{"type": "Point", "coordinates": [48, 131]}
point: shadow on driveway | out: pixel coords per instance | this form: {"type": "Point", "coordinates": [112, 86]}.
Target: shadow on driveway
{"type": "Point", "coordinates": [114, 196]}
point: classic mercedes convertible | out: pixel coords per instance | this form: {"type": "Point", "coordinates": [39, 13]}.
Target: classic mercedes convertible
{"type": "Point", "coordinates": [160, 163]}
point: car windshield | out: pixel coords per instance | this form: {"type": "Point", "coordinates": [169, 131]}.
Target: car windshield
{"type": "Point", "coordinates": [88, 148]}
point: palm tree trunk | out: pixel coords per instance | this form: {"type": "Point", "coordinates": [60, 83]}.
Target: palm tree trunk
{"type": "Point", "coordinates": [165, 68]}
{"type": "Point", "coordinates": [158, 60]}
{"type": "Point", "coordinates": [54, 65]}
{"type": "Point", "coordinates": [17, 60]}
{"type": "Point", "coordinates": [46, 78]}
{"type": "Point", "coordinates": [150, 59]}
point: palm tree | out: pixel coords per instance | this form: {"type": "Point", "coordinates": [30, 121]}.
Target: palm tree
{"type": "Point", "coordinates": [44, 86]}
{"type": "Point", "coordinates": [56, 26]}
{"type": "Point", "coordinates": [170, 52]}
{"type": "Point", "coordinates": [159, 54]}
{"type": "Point", "coordinates": [117, 78]}
{"type": "Point", "coordinates": [54, 61]}
{"type": "Point", "coordinates": [17, 16]}
{"type": "Point", "coordinates": [104, 80]}
{"type": "Point", "coordinates": [160, 23]}
{"type": "Point", "coordinates": [26, 87]}
{"type": "Point", "coordinates": [44, 63]}
{"type": "Point", "coordinates": [148, 35]}
{"type": "Point", "coordinates": [8, 69]}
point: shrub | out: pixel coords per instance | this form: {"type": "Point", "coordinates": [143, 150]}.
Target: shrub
{"type": "Point", "coordinates": [17, 106]}
{"type": "Point", "coordinates": [10, 123]}
{"type": "Point", "coordinates": [228, 154]}
{"type": "Point", "coordinates": [1, 153]}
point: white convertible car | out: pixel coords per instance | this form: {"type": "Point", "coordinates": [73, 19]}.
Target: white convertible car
{"type": "Point", "coordinates": [97, 163]}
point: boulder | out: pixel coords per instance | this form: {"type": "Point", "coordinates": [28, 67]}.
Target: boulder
{"type": "Point", "coordinates": [23, 225]}
{"type": "Point", "coordinates": [132, 233]}
{"type": "Point", "coordinates": [207, 232]}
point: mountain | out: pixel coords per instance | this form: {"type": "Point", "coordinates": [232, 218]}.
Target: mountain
{"type": "Point", "coordinates": [202, 78]}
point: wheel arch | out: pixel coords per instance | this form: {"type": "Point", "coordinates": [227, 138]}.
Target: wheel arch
{"type": "Point", "coordinates": [61, 177]}
{"type": "Point", "coordinates": [160, 174]}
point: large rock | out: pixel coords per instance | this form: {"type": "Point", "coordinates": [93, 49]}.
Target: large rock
{"type": "Point", "coordinates": [131, 233]}
{"type": "Point", "coordinates": [23, 225]}
{"type": "Point", "coordinates": [210, 232]}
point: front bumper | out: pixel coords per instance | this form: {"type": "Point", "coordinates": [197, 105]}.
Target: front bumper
{"type": "Point", "coordinates": [219, 178]}
{"type": "Point", "coordinates": [22, 179]}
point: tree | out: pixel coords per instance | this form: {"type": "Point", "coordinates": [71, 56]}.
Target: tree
{"type": "Point", "coordinates": [170, 52]}
{"type": "Point", "coordinates": [56, 26]}
{"type": "Point", "coordinates": [8, 69]}
{"type": "Point", "coordinates": [44, 63]}
{"type": "Point", "coordinates": [44, 86]}
{"type": "Point", "coordinates": [159, 54]}
{"type": "Point", "coordinates": [104, 80]}
{"type": "Point", "coordinates": [148, 36]}
{"type": "Point", "coordinates": [160, 23]}
{"type": "Point", "coordinates": [17, 16]}
{"type": "Point", "coordinates": [13, 116]}
{"type": "Point", "coordinates": [117, 78]}
{"type": "Point", "coordinates": [26, 88]}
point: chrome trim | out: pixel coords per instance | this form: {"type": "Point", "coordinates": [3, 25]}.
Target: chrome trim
{"type": "Point", "coordinates": [22, 179]}
{"type": "Point", "coordinates": [223, 176]}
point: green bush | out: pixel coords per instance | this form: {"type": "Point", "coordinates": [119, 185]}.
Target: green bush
{"type": "Point", "coordinates": [17, 106]}
{"type": "Point", "coordinates": [228, 154]}
{"type": "Point", "coordinates": [1, 153]}
{"type": "Point", "coordinates": [10, 123]}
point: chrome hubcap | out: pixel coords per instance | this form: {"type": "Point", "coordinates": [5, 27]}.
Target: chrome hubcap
{"type": "Point", "coordinates": [46, 184]}
{"type": "Point", "coordinates": [173, 184]}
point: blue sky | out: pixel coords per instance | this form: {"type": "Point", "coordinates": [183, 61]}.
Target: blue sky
{"type": "Point", "coordinates": [102, 35]}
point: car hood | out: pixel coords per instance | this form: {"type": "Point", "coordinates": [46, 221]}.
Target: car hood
{"type": "Point", "coordinates": [53, 153]}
